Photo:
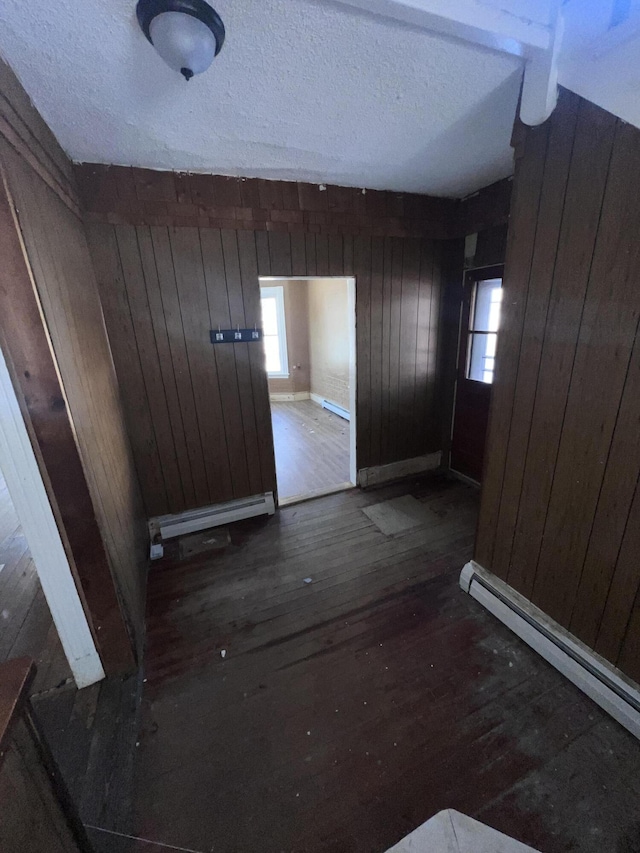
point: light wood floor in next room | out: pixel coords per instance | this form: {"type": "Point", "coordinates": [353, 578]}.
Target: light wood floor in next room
{"type": "Point", "coordinates": [312, 448]}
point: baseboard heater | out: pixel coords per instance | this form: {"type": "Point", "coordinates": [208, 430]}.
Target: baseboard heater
{"type": "Point", "coordinates": [169, 526]}
{"type": "Point", "coordinates": [596, 677]}
{"type": "Point", "coordinates": [336, 409]}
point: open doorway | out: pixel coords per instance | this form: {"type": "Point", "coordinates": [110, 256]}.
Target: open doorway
{"type": "Point", "coordinates": [309, 340]}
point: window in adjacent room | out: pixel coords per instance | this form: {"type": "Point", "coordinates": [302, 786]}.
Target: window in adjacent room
{"type": "Point", "coordinates": [274, 331]}
{"type": "Point", "coordinates": [483, 329]}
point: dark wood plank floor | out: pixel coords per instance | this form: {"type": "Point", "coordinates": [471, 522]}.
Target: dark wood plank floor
{"type": "Point", "coordinates": [347, 711]}
{"type": "Point", "coordinates": [26, 627]}
{"type": "Point", "coordinates": [311, 446]}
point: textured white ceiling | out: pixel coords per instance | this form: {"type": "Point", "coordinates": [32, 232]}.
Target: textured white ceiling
{"type": "Point", "coordinates": [302, 90]}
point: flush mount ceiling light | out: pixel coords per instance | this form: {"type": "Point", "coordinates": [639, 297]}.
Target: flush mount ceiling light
{"type": "Point", "coordinates": [187, 34]}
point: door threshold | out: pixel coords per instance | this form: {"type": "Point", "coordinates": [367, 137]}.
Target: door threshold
{"type": "Point", "coordinates": [316, 493]}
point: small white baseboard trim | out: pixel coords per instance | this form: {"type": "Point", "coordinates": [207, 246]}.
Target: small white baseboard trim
{"type": "Point", "coordinates": [294, 397]}
{"type": "Point", "coordinates": [463, 478]}
{"type": "Point", "coordinates": [332, 407]}
{"type": "Point", "coordinates": [378, 474]}
{"type": "Point", "coordinates": [169, 526]}
{"type": "Point", "coordinates": [315, 493]}
{"type": "Point", "coordinates": [600, 680]}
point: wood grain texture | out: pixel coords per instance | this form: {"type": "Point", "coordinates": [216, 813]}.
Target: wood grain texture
{"type": "Point", "coordinates": [122, 195]}
{"type": "Point", "coordinates": [554, 184]}
{"type": "Point", "coordinates": [39, 383]}
{"type": "Point", "coordinates": [221, 447]}
{"type": "Point", "coordinates": [349, 710]}
{"type": "Point", "coordinates": [57, 349]}
{"type": "Point", "coordinates": [311, 448]}
{"type": "Point", "coordinates": [559, 514]}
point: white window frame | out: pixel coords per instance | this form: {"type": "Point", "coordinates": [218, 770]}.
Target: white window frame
{"type": "Point", "coordinates": [277, 292]}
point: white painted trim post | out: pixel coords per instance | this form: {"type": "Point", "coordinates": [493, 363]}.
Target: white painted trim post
{"type": "Point", "coordinates": [24, 481]}
{"type": "Point", "coordinates": [353, 380]}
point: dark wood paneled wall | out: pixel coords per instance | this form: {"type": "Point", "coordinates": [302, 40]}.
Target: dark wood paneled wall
{"type": "Point", "coordinates": [560, 515]}
{"type": "Point", "coordinates": [55, 342]}
{"type": "Point", "coordinates": [122, 195]}
{"type": "Point", "coordinates": [199, 415]}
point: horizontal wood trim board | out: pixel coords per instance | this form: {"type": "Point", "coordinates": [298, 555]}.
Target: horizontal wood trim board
{"type": "Point", "coordinates": [378, 474]}
{"type": "Point", "coordinates": [124, 195]}
{"type": "Point", "coordinates": [23, 128]}
{"type": "Point", "coordinates": [294, 397]}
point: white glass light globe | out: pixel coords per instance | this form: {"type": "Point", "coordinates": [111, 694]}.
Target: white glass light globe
{"type": "Point", "coordinates": [185, 43]}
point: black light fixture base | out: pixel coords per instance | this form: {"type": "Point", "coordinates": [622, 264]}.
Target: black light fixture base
{"type": "Point", "coordinates": [147, 10]}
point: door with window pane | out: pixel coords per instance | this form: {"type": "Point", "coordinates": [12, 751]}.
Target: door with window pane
{"type": "Point", "coordinates": [476, 365]}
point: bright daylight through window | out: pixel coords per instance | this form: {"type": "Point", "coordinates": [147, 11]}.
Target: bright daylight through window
{"type": "Point", "coordinates": [483, 329]}
{"type": "Point", "coordinates": [274, 331]}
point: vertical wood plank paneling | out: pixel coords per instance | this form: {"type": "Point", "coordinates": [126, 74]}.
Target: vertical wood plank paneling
{"type": "Point", "coordinates": [181, 287]}
{"type": "Point", "coordinates": [115, 303]}
{"type": "Point", "coordinates": [348, 254]}
{"type": "Point", "coordinates": [225, 358]}
{"type": "Point", "coordinates": [425, 338]}
{"type": "Point", "coordinates": [260, 388]}
{"type": "Point", "coordinates": [628, 582]}
{"type": "Point", "coordinates": [180, 362]}
{"type": "Point", "coordinates": [439, 405]}
{"type": "Point", "coordinates": [262, 251]}
{"type": "Point", "coordinates": [448, 287]}
{"type": "Point", "coordinates": [585, 190]}
{"type": "Point", "coordinates": [133, 275]}
{"type": "Point", "coordinates": [520, 243]}
{"type": "Point", "coordinates": [55, 344]}
{"type": "Point", "coordinates": [362, 262]}
{"type": "Point", "coordinates": [163, 348]}
{"type": "Point", "coordinates": [395, 312]}
{"type": "Point", "coordinates": [280, 253]}
{"type": "Point", "coordinates": [607, 331]}
{"type": "Point", "coordinates": [310, 247]}
{"type": "Point", "coordinates": [406, 423]}
{"type": "Point", "coordinates": [192, 294]}
{"type": "Point", "coordinates": [619, 631]}
{"type": "Point", "coordinates": [385, 427]}
{"type": "Point", "coordinates": [243, 366]}
{"type": "Point", "coordinates": [336, 254]}
{"type": "Point", "coordinates": [599, 612]}
{"type": "Point", "coordinates": [554, 185]}
{"type": "Point", "coordinates": [568, 531]}
{"type": "Point", "coordinates": [322, 255]}
{"type": "Point", "coordinates": [298, 253]}
{"type": "Point", "coordinates": [375, 351]}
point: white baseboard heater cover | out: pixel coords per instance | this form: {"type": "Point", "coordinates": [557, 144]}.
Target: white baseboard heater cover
{"type": "Point", "coordinates": [170, 526]}
{"type": "Point", "coordinates": [596, 677]}
{"type": "Point", "coordinates": [336, 409]}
